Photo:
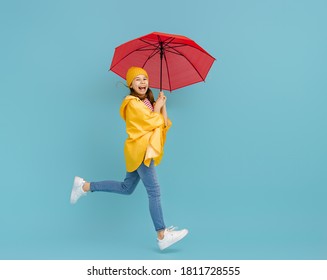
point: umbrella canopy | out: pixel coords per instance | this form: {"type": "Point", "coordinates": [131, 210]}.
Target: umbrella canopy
{"type": "Point", "coordinates": [172, 61]}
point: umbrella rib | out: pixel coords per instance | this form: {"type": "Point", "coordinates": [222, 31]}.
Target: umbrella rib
{"type": "Point", "coordinates": [174, 52]}
{"type": "Point", "coordinates": [156, 45]}
{"type": "Point", "coordinates": [150, 56]}
{"type": "Point", "coordinates": [177, 52]}
{"type": "Point", "coordinates": [186, 45]}
{"type": "Point", "coordinates": [167, 72]}
{"type": "Point", "coordinates": [168, 41]}
{"type": "Point", "coordinates": [155, 51]}
{"type": "Point", "coordinates": [139, 49]}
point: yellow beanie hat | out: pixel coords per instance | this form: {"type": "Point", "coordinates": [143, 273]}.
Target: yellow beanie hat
{"type": "Point", "coordinates": [133, 72]}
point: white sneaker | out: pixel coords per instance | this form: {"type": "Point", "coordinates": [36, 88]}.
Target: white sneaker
{"type": "Point", "coordinates": [77, 190]}
{"type": "Point", "coordinates": [171, 236]}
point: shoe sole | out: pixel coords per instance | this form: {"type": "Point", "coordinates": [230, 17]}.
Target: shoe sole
{"type": "Point", "coordinates": [76, 184]}
{"type": "Point", "coordinates": [178, 239]}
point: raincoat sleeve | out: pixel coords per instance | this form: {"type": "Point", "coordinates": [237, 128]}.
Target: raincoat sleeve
{"type": "Point", "coordinates": [143, 120]}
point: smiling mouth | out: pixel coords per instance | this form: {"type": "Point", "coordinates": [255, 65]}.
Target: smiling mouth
{"type": "Point", "coordinates": [142, 88]}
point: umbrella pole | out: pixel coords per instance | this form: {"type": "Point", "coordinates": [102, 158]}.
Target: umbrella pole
{"type": "Point", "coordinates": [161, 57]}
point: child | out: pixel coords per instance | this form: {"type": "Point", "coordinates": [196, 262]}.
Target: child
{"type": "Point", "coordinates": [146, 125]}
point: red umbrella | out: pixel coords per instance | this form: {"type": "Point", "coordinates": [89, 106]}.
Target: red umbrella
{"type": "Point", "coordinates": [172, 61]}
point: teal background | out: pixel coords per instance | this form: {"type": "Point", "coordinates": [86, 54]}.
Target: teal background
{"type": "Point", "coordinates": [245, 161]}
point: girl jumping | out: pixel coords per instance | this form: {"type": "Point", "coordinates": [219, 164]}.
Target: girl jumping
{"type": "Point", "coordinates": [146, 125]}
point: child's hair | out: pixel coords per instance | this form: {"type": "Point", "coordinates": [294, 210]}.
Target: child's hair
{"type": "Point", "coordinates": [148, 95]}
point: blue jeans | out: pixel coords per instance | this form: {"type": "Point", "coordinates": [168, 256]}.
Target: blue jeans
{"type": "Point", "coordinates": [149, 178]}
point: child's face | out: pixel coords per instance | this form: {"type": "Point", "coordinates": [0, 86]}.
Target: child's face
{"type": "Point", "coordinates": [140, 84]}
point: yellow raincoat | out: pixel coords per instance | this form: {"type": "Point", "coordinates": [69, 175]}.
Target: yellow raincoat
{"type": "Point", "coordinates": [146, 133]}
